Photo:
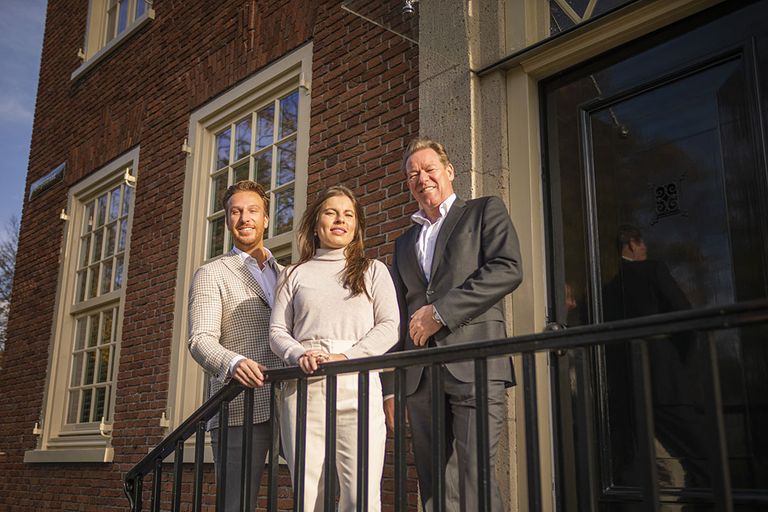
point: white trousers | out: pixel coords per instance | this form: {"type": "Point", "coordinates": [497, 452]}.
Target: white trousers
{"type": "Point", "coordinates": [346, 439]}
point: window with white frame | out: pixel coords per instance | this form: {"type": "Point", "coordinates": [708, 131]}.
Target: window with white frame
{"type": "Point", "coordinates": [258, 130]}
{"type": "Point", "coordinates": [82, 371]}
{"type": "Point", "coordinates": [109, 23]}
{"type": "Point", "coordinates": [260, 146]}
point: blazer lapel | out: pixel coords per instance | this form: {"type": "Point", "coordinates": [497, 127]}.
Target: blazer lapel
{"type": "Point", "coordinates": [454, 214]}
{"type": "Point", "coordinates": [408, 258]}
{"type": "Point", "coordinates": [238, 267]}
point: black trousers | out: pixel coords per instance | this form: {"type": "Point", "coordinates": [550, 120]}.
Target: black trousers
{"type": "Point", "coordinates": [460, 441]}
{"type": "Point", "coordinates": [262, 441]}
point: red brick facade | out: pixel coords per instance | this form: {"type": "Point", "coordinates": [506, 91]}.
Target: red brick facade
{"type": "Point", "coordinates": [364, 108]}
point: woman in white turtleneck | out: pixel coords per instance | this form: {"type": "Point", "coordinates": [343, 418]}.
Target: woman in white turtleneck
{"type": "Point", "coordinates": [334, 304]}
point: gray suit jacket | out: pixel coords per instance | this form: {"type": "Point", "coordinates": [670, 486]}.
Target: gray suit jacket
{"type": "Point", "coordinates": [229, 315]}
{"type": "Point", "coordinates": [476, 263]}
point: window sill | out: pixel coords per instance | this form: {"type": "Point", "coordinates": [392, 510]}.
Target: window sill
{"type": "Point", "coordinates": [103, 454]}
{"type": "Point", "coordinates": [108, 48]}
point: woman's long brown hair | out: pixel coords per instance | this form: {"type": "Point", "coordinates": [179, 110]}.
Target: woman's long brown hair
{"type": "Point", "coordinates": [357, 264]}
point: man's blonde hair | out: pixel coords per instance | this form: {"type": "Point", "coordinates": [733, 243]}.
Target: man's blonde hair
{"type": "Point", "coordinates": [420, 143]}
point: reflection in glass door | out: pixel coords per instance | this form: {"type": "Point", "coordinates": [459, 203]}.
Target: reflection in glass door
{"type": "Point", "coordinates": [658, 191]}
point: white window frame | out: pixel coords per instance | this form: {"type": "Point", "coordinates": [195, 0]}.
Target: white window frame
{"type": "Point", "coordinates": [95, 47]}
{"type": "Point", "coordinates": [82, 442]}
{"type": "Point", "coordinates": [187, 380]}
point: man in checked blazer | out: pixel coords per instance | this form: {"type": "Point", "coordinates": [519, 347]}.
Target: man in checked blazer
{"type": "Point", "coordinates": [230, 303]}
{"type": "Point", "coordinates": [452, 269]}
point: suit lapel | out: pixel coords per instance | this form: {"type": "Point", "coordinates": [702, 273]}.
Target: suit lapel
{"type": "Point", "coordinates": [454, 214]}
{"type": "Point", "coordinates": [407, 256]}
{"type": "Point", "coordinates": [238, 267]}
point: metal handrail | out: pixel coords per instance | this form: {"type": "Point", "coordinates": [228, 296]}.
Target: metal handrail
{"type": "Point", "coordinates": [729, 316]}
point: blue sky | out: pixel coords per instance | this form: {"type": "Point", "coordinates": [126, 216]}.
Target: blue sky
{"type": "Point", "coordinates": [21, 40]}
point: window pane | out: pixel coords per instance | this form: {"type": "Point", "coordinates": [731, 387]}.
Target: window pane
{"type": "Point", "coordinates": [289, 112]}
{"type": "Point", "coordinates": [222, 148]}
{"type": "Point", "coordinates": [284, 211]}
{"type": "Point", "coordinates": [111, 23]}
{"type": "Point", "coordinates": [101, 210]}
{"type": "Point", "coordinates": [264, 169]}
{"type": "Point", "coordinates": [123, 235]}
{"type": "Point", "coordinates": [93, 281]}
{"type": "Point", "coordinates": [239, 173]}
{"type": "Point", "coordinates": [127, 196]}
{"type": "Point", "coordinates": [123, 18]}
{"type": "Point", "coordinates": [106, 326]}
{"type": "Point", "coordinates": [82, 325]}
{"type": "Point", "coordinates": [141, 7]}
{"type": "Point", "coordinates": [216, 241]}
{"type": "Point", "coordinates": [90, 367]}
{"type": "Point", "coordinates": [85, 410]}
{"type": "Point", "coordinates": [119, 269]}
{"type": "Point", "coordinates": [286, 158]}
{"type": "Point", "coordinates": [77, 369]}
{"type": "Point", "coordinates": [74, 399]}
{"type": "Point", "coordinates": [85, 247]}
{"type": "Point", "coordinates": [217, 192]}
{"type": "Point", "coordinates": [109, 248]}
{"type": "Point", "coordinates": [88, 218]}
{"type": "Point", "coordinates": [93, 331]}
{"type": "Point", "coordinates": [103, 364]}
{"type": "Point", "coordinates": [80, 286]}
{"type": "Point", "coordinates": [97, 243]}
{"type": "Point", "coordinates": [114, 203]}
{"type": "Point", "coordinates": [243, 138]}
{"type": "Point", "coordinates": [266, 126]}
{"type": "Point", "coordinates": [99, 410]}
{"type": "Point", "coordinates": [106, 276]}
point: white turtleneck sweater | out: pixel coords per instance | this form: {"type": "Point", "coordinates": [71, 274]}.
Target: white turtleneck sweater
{"type": "Point", "coordinates": [312, 308]}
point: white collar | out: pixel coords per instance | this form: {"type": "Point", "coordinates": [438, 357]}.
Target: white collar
{"type": "Point", "coordinates": [421, 218]}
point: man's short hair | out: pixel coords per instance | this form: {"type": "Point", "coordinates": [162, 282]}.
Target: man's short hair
{"type": "Point", "coordinates": [420, 143]}
{"type": "Point", "coordinates": [626, 234]}
{"type": "Point", "coordinates": [246, 186]}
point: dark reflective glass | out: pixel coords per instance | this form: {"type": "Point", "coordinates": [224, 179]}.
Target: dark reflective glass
{"type": "Point", "coordinates": [658, 203]}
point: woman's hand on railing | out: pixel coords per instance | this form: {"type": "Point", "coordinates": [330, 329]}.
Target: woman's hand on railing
{"type": "Point", "coordinates": [329, 358]}
{"type": "Point", "coordinates": [249, 373]}
{"type": "Point", "coordinates": [310, 360]}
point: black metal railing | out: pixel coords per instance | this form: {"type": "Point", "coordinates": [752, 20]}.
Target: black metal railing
{"type": "Point", "coordinates": [638, 331]}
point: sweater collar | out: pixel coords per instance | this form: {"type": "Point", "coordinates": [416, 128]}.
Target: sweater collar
{"type": "Point", "coordinates": [330, 254]}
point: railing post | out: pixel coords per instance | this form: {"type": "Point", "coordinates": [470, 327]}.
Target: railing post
{"type": "Point", "coordinates": [178, 468]}
{"type": "Point", "coordinates": [438, 436]}
{"type": "Point", "coordinates": [718, 458]}
{"type": "Point", "coordinates": [644, 408]}
{"type": "Point", "coordinates": [329, 469]}
{"type": "Point", "coordinates": [401, 498]}
{"type": "Point", "coordinates": [221, 481]}
{"type": "Point", "coordinates": [483, 443]}
{"type": "Point", "coordinates": [363, 392]}
{"type": "Point", "coordinates": [197, 502]}
{"type": "Point", "coordinates": [301, 444]}
{"type": "Point", "coordinates": [247, 455]}
{"type": "Point", "coordinates": [532, 432]}
{"type": "Point", "coordinates": [274, 452]}
{"type": "Point", "coordinates": [157, 481]}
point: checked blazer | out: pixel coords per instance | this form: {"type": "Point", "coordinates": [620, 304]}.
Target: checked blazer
{"type": "Point", "coordinates": [229, 315]}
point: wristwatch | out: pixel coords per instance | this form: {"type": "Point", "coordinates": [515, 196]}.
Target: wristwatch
{"type": "Point", "coordinates": [436, 317]}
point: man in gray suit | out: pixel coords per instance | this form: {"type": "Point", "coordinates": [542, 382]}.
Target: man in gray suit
{"type": "Point", "coordinates": [452, 270]}
{"type": "Point", "coordinates": [230, 303]}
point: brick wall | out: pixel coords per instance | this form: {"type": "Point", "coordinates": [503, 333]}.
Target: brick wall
{"type": "Point", "coordinates": [364, 109]}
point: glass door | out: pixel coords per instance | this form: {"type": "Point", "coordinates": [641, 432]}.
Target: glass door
{"type": "Point", "coordinates": [658, 201]}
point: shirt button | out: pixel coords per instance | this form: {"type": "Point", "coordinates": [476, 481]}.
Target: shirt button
{"type": "Point", "coordinates": [430, 292]}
